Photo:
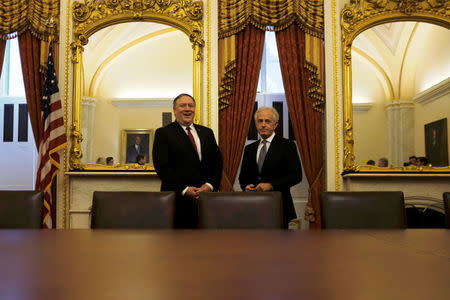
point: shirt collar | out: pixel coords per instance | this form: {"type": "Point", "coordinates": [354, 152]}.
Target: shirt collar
{"type": "Point", "coordinates": [269, 139]}
{"type": "Point", "coordinates": [184, 127]}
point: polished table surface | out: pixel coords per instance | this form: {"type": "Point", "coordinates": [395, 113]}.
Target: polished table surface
{"type": "Point", "coordinates": [225, 264]}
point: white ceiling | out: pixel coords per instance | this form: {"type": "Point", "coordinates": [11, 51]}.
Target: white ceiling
{"type": "Point", "coordinates": [137, 60]}
{"type": "Point", "coordinates": [394, 57]}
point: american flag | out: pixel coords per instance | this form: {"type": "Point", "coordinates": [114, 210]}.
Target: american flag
{"type": "Point", "coordinates": [53, 138]}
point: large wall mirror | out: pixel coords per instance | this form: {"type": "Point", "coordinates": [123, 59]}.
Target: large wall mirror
{"type": "Point", "coordinates": [396, 86]}
{"type": "Point", "coordinates": [130, 60]}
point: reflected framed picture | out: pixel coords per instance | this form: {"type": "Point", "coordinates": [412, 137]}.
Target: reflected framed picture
{"type": "Point", "coordinates": [436, 143]}
{"type": "Point", "coordinates": [136, 146]}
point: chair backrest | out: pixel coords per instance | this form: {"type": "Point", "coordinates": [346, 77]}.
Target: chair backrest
{"type": "Point", "coordinates": [446, 197]}
{"type": "Point", "coordinates": [362, 210]}
{"type": "Point", "coordinates": [21, 209]}
{"type": "Point", "coordinates": [240, 210]}
{"type": "Point", "coordinates": [133, 210]}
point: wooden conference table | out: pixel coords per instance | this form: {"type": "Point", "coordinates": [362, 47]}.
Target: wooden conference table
{"type": "Point", "coordinates": [227, 264]}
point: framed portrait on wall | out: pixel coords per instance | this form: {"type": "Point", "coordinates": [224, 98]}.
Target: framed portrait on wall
{"type": "Point", "coordinates": [436, 145]}
{"type": "Point", "coordinates": [136, 146]}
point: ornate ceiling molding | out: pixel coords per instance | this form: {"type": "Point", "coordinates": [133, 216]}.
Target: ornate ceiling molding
{"type": "Point", "coordinates": [94, 15]}
{"type": "Point", "coordinates": [360, 15]}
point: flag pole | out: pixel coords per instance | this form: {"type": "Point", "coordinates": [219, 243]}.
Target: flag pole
{"type": "Point", "coordinates": [53, 139]}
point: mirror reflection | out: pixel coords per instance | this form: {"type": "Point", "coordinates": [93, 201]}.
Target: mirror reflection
{"type": "Point", "coordinates": [401, 95]}
{"type": "Point", "coordinates": [130, 74]}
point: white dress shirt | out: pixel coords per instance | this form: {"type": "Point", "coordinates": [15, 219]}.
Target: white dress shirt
{"type": "Point", "coordinates": [269, 142]}
{"type": "Point", "coordinates": [196, 139]}
{"type": "Point", "coordinates": [199, 149]}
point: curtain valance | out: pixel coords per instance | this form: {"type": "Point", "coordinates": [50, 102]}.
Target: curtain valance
{"type": "Point", "coordinates": [275, 15]}
{"type": "Point", "coordinates": [39, 16]}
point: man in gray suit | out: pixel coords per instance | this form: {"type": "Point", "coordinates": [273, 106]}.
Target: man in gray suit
{"type": "Point", "coordinates": [271, 163]}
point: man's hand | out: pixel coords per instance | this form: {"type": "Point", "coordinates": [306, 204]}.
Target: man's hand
{"type": "Point", "coordinates": [192, 192]}
{"type": "Point", "coordinates": [264, 187]}
{"type": "Point", "coordinates": [250, 188]}
{"type": "Point", "coordinates": [204, 188]}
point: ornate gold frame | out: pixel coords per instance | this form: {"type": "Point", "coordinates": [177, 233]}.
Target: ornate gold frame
{"type": "Point", "coordinates": [360, 15]}
{"type": "Point", "coordinates": [89, 17]}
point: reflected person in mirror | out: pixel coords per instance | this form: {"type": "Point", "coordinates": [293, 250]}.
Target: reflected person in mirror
{"type": "Point", "coordinates": [101, 161]}
{"type": "Point", "coordinates": [412, 161]}
{"type": "Point", "coordinates": [383, 162]}
{"type": "Point", "coordinates": [141, 159]}
{"type": "Point", "coordinates": [187, 160]}
{"type": "Point", "coordinates": [110, 161]}
{"type": "Point", "coordinates": [422, 161]}
{"type": "Point", "coordinates": [271, 163]}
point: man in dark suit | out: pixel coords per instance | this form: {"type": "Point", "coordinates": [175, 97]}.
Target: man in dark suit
{"type": "Point", "coordinates": [187, 160]}
{"type": "Point", "coordinates": [271, 163]}
{"type": "Point", "coordinates": [134, 150]}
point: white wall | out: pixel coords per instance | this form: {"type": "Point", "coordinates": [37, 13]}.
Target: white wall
{"type": "Point", "coordinates": [426, 113]}
{"type": "Point", "coordinates": [370, 129]}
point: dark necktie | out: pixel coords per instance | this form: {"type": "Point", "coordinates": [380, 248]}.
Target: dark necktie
{"type": "Point", "coordinates": [262, 155]}
{"type": "Point", "coordinates": [191, 137]}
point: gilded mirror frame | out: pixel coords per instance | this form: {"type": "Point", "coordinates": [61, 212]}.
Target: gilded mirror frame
{"type": "Point", "coordinates": [94, 15]}
{"type": "Point", "coordinates": [361, 15]}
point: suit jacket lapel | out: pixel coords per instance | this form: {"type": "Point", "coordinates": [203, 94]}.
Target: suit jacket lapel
{"type": "Point", "coordinates": [253, 149]}
{"type": "Point", "coordinates": [271, 152]}
{"type": "Point", "coordinates": [185, 139]}
{"type": "Point", "coordinates": [180, 131]}
{"type": "Point", "coordinates": [202, 137]}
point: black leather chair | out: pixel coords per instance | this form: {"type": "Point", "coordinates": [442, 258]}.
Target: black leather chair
{"type": "Point", "coordinates": [362, 210]}
{"type": "Point", "coordinates": [133, 210]}
{"type": "Point", "coordinates": [446, 197]}
{"type": "Point", "coordinates": [240, 210]}
{"type": "Point", "coordinates": [21, 209]}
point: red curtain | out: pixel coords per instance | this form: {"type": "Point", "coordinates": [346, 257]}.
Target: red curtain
{"type": "Point", "coordinates": [29, 47]}
{"type": "Point", "coordinates": [30, 50]}
{"type": "Point", "coordinates": [234, 120]}
{"type": "Point", "coordinates": [2, 53]}
{"type": "Point", "coordinates": [306, 120]}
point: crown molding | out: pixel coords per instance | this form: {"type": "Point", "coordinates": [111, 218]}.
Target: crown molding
{"type": "Point", "coordinates": [362, 106]}
{"type": "Point", "coordinates": [395, 104]}
{"type": "Point", "coordinates": [142, 102]}
{"type": "Point", "coordinates": [435, 92]}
